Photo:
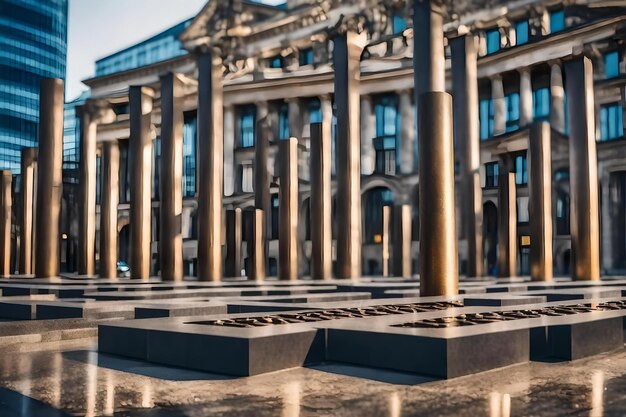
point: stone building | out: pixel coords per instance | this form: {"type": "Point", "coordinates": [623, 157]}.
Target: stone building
{"type": "Point", "coordinates": [279, 69]}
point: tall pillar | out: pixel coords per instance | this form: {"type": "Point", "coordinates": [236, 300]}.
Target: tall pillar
{"type": "Point", "coordinates": [540, 164]}
{"type": "Point", "coordinates": [256, 245]}
{"type": "Point", "coordinates": [6, 204]}
{"type": "Point", "coordinates": [171, 234]}
{"type": "Point", "coordinates": [28, 169]}
{"type": "Point", "coordinates": [499, 105]}
{"type": "Point", "coordinates": [439, 273]}
{"type": "Point", "coordinates": [557, 98]}
{"type": "Point", "coordinates": [229, 150]}
{"type": "Point", "coordinates": [429, 62]}
{"type": "Point", "coordinates": [49, 178]}
{"type": "Point", "coordinates": [348, 46]}
{"type": "Point", "coordinates": [321, 200]}
{"type": "Point", "coordinates": [140, 165]}
{"type": "Point", "coordinates": [288, 210]}
{"type": "Point", "coordinates": [526, 97]}
{"type": "Point", "coordinates": [583, 170]}
{"type": "Point", "coordinates": [108, 209]}
{"type": "Point", "coordinates": [466, 129]}
{"type": "Point", "coordinates": [262, 197]}
{"type": "Point", "coordinates": [368, 133]}
{"type": "Point", "coordinates": [211, 165]}
{"type": "Point", "coordinates": [233, 243]}
{"type": "Point", "coordinates": [428, 58]}
{"type": "Point", "coordinates": [386, 232]}
{"type": "Point", "coordinates": [87, 192]}
{"type": "Point", "coordinates": [402, 219]}
{"type": "Point", "coordinates": [407, 132]}
{"type": "Point", "coordinates": [507, 236]}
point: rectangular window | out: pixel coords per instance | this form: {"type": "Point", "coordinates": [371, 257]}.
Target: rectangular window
{"type": "Point", "coordinates": [387, 116]}
{"type": "Point", "coordinates": [276, 62]}
{"type": "Point", "coordinates": [611, 122]}
{"type": "Point", "coordinates": [486, 118]}
{"type": "Point", "coordinates": [493, 41]}
{"type": "Point", "coordinates": [399, 24]}
{"type": "Point", "coordinates": [521, 170]}
{"type": "Point", "coordinates": [611, 64]}
{"type": "Point", "coordinates": [521, 32]}
{"type": "Point", "coordinates": [512, 111]}
{"type": "Point", "coordinates": [315, 111]}
{"type": "Point", "coordinates": [246, 123]}
{"type": "Point", "coordinates": [557, 21]}
{"type": "Point", "coordinates": [492, 174]}
{"type": "Point", "coordinates": [247, 178]}
{"type": "Point", "coordinates": [306, 57]}
{"type": "Point", "coordinates": [189, 154]}
{"type": "Point", "coordinates": [283, 122]}
{"type": "Point", "coordinates": [541, 103]}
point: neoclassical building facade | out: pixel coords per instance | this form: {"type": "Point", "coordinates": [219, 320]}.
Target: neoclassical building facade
{"type": "Point", "coordinates": [279, 70]}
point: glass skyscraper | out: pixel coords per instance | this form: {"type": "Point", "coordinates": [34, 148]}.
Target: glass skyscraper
{"type": "Point", "coordinates": [33, 45]}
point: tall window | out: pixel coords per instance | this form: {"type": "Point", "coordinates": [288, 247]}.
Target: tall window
{"type": "Point", "coordinates": [521, 170]}
{"type": "Point", "coordinates": [611, 122]}
{"type": "Point", "coordinates": [387, 129]}
{"type": "Point", "coordinates": [512, 111]}
{"type": "Point", "coordinates": [246, 126]}
{"type": "Point", "coordinates": [283, 122]}
{"type": "Point", "coordinates": [189, 154]}
{"type": "Point", "coordinates": [557, 21]}
{"type": "Point", "coordinates": [521, 32]}
{"type": "Point", "coordinates": [486, 118]}
{"type": "Point", "coordinates": [247, 178]}
{"type": "Point", "coordinates": [493, 41]}
{"type": "Point", "coordinates": [541, 103]}
{"type": "Point", "coordinates": [492, 175]}
{"type": "Point", "coordinates": [375, 200]}
{"type": "Point", "coordinates": [306, 57]}
{"type": "Point", "coordinates": [611, 64]}
{"type": "Point", "coordinates": [315, 111]}
{"type": "Point", "coordinates": [156, 171]}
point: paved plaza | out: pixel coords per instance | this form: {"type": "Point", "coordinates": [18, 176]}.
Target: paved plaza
{"type": "Point", "coordinates": [368, 347]}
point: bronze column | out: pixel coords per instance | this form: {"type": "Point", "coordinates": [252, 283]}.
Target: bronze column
{"type": "Point", "coordinates": [583, 165]}
{"type": "Point", "coordinates": [256, 245]}
{"type": "Point", "coordinates": [540, 167]}
{"type": "Point", "coordinates": [262, 200]}
{"type": "Point", "coordinates": [439, 273]}
{"type": "Point", "coordinates": [28, 168]}
{"type": "Point", "coordinates": [321, 234]}
{"type": "Point", "coordinates": [87, 192]}
{"type": "Point", "coordinates": [108, 209]}
{"type": "Point", "coordinates": [49, 178]}
{"type": "Point", "coordinates": [211, 165]}
{"type": "Point", "coordinates": [6, 203]}
{"type": "Point", "coordinates": [466, 129]}
{"type": "Point", "coordinates": [140, 164]}
{"type": "Point", "coordinates": [233, 243]}
{"type": "Point", "coordinates": [507, 227]}
{"type": "Point", "coordinates": [348, 46]}
{"type": "Point", "coordinates": [402, 218]}
{"type": "Point", "coordinates": [288, 210]}
{"type": "Point", "coordinates": [171, 238]}
{"type": "Point", "coordinates": [386, 232]}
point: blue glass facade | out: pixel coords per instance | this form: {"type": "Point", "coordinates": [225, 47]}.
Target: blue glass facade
{"type": "Point", "coordinates": [33, 45]}
{"type": "Point", "coordinates": [71, 127]}
{"type": "Point", "coordinates": [159, 48]}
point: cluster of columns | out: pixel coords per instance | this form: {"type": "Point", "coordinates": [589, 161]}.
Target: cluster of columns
{"type": "Point", "coordinates": [438, 236]}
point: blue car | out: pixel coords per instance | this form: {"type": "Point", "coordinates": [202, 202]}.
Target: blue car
{"type": "Point", "coordinates": [123, 270]}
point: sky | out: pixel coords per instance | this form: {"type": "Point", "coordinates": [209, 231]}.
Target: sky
{"type": "Point", "coordinates": [97, 28]}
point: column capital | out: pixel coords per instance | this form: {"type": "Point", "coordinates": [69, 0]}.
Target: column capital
{"type": "Point", "coordinates": [524, 70]}
{"type": "Point", "coordinates": [325, 97]}
{"type": "Point", "coordinates": [554, 62]}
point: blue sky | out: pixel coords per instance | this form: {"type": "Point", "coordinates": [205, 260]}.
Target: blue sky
{"type": "Point", "coordinates": [97, 28]}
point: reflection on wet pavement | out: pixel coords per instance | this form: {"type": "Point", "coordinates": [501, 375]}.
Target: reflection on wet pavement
{"type": "Point", "coordinates": [71, 376]}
